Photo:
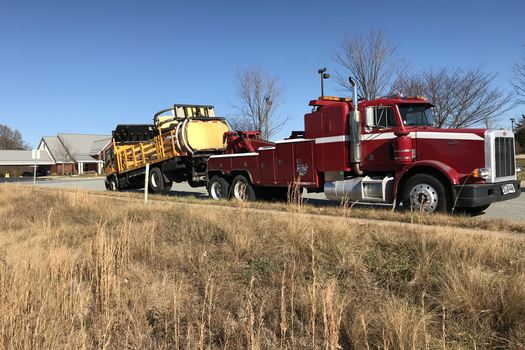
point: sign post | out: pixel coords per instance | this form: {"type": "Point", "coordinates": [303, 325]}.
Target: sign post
{"type": "Point", "coordinates": [146, 184]}
{"type": "Point", "coordinates": [35, 154]}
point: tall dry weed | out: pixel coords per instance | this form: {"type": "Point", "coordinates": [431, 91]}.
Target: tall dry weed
{"type": "Point", "coordinates": [92, 272]}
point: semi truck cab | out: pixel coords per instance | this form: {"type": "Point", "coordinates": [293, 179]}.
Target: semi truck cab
{"type": "Point", "coordinates": [479, 164]}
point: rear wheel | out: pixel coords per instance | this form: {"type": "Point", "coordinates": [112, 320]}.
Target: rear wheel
{"type": "Point", "coordinates": [112, 184]}
{"type": "Point", "coordinates": [426, 194]}
{"type": "Point", "coordinates": [241, 189]}
{"type": "Point", "coordinates": [218, 188]}
{"type": "Point", "coordinates": [156, 181]}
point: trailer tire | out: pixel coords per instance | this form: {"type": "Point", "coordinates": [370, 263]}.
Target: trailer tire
{"type": "Point", "coordinates": [112, 184]}
{"type": "Point", "coordinates": [241, 189]}
{"type": "Point", "coordinates": [156, 181]}
{"type": "Point", "coordinates": [218, 188]}
{"type": "Point", "coordinates": [425, 193]}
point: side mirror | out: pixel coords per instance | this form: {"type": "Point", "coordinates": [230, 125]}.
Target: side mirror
{"type": "Point", "coordinates": [369, 117]}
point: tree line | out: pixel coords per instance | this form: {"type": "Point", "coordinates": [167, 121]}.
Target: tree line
{"type": "Point", "coordinates": [463, 97]}
{"type": "Point", "coordinates": [11, 139]}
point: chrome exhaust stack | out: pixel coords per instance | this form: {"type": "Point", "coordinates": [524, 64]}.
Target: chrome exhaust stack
{"type": "Point", "coordinates": [355, 132]}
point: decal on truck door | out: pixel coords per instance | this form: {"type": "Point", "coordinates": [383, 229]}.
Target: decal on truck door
{"type": "Point", "coordinates": [302, 169]}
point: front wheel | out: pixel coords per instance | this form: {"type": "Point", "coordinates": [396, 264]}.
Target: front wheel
{"type": "Point", "coordinates": [218, 188]}
{"type": "Point", "coordinates": [426, 194]}
{"type": "Point", "coordinates": [241, 189]}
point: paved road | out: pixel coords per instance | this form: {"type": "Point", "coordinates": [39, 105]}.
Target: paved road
{"type": "Point", "coordinates": [510, 210]}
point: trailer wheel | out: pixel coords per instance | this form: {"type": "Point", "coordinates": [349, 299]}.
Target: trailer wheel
{"type": "Point", "coordinates": [241, 189]}
{"type": "Point", "coordinates": [218, 188]}
{"type": "Point", "coordinates": [156, 181]}
{"type": "Point", "coordinates": [112, 184]}
{"type": "Point", "coordinates": [425, 193]}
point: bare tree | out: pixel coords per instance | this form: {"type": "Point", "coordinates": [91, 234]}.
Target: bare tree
{"type": "Point", "coordinates": [518, 81]}
{"type": "Point", "coordinates": [63, 153]}
{"type": "Point", "coordinates": [462, 97]}
{"type": "Point", "coordinates": [11, 139]}
{"type": "Point", "coordinates": [519, 134]}
{"type": "Point", "coordinates": [371, 59]}
{"type": "Point", "coordinates": [259, 96]}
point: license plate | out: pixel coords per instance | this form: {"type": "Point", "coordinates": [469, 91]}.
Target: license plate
{"type": "Point", "coordinates": [507, 189]}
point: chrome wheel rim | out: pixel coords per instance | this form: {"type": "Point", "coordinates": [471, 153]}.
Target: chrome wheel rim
{"type": "Point", "coordinates": [154, 180]}
{"type": "Point", "coordinates": [239, 190]}
{"type": "Point", "coordinates": [424, 198]}
{"type": "Point", "coordinates": [216, 190]}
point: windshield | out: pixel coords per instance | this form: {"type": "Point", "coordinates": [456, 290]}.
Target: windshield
{"type": "Point", "coordinates": [416, 115]}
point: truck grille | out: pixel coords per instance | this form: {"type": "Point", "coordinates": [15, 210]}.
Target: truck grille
{"type": "Point", "coordinates": [504, 147]}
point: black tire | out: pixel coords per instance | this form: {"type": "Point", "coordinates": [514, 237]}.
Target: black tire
{"type": "Point", "coordinates": [241, 189]}
{"type": "Point", "coordinates": [425, 193]}
{"type": "Point", "coordinates": [218, 188]}
{"type": "Point", "coordinates": [112, 184]}
{"type": "Point", "coordinates": [156, 181]}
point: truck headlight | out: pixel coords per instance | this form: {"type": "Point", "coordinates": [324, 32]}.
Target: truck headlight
{"type": "Point", "coordinates": [482, 173]}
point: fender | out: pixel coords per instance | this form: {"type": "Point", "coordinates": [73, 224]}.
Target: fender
{"type": "Point", "coordinates": [232, 172]}
{"type": "Point", "coordinates": [450, 173]}
{"type": "Point", "coordinates": [243, 171]}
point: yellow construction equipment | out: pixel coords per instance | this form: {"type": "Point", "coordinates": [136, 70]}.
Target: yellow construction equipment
{"type": "Point", "coordinates": [178, 144]}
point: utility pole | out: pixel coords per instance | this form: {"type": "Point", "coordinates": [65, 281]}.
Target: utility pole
{"type": "Point", "coordinates": [512, 120]}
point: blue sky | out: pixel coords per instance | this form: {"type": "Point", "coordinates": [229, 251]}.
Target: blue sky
{"type": "Point", "coordinates": [85, 66]}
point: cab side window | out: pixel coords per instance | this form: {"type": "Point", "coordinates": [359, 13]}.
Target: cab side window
{"type": "Point", "coordinates": [384, 118]}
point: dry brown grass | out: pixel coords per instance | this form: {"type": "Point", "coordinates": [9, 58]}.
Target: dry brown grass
{"type": "Point", "coordinates": [84, 271]}
{"type": "Point", "coordinates": [295, 204]}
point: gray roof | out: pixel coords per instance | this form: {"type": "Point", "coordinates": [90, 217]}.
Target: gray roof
{"type": "Point", "coordinates": [56, 149]}
{"type": "Point", "coordinates": [11, 157]}
{"type": "Point", "coordinates": [99, 145]}
{"type": "Point", "coordinates": [78, 147]}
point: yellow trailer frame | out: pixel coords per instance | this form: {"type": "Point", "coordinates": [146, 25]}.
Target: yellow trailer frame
{"type": "Point", "coordinates": [189, 136]}
{"type": "Point", "coordinates": [129, 157]}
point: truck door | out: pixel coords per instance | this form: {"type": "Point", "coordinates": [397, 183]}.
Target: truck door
{"type": "Point", "coordinates": [377, 138]}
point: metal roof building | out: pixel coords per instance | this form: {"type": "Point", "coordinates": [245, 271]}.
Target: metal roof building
{"type": "Point", "coordinates": [81, 150]}
{"type": "Point", "coordinates": [78, 153]}
{"type": "Point", "coordinates": [23, 158]}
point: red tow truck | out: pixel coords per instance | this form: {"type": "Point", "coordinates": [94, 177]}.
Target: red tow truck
{"type": "Point", "coordinates": [384, 150]}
